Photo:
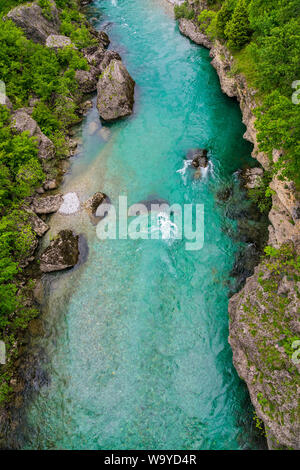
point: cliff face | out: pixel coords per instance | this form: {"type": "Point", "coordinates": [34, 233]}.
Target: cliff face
{"type": "Point", "coordinates": [264, 315]}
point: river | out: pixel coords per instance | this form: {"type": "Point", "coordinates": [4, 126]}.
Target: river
{"type": "Point", "coordinates": [136, 336]}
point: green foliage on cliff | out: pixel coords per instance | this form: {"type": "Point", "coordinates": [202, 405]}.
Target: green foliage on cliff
{"type": "Point", "coordinates": [184, 11]}
{"type": "Point", "coordinates": [238, 30]}
{"type": "Point", "coordinates": [264, 36]}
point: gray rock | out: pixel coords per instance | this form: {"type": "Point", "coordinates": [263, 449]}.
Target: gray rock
{"type": "Point", "coordinates": [30, 19]}
{"type": "Point", "coordinates": [94, 55]}
{"type": "Point", "coordinates": [107, 58]}
{"type": "Point", "coordinates": [94, 202]}
{"type": "Point", "coordinates": [103, 38]}
{"type": "Point", "coordinates": [21, 122]}
{"type": "Point", "coordinates": [8, 104]}
{"type": "Point", "coordinates": [115, 92]}
{"type": "Point", "coordinates": [87, 79]}
{"type": "Point", "coordinates": [62, 253]}
{"type": "Point", "coordinates": [191, 30]}
{"type": "Point", "coordinates": [98, 59]}
{"type": "Point", "coordinates": [199, 157]}
{"type": "Point", "coordinates": [50, 184]}
{"type": "Point", "coordinates": [47, 204]}
{"type": "Point", "coordinates": [57, 41]}
{"type": "Point", "coordinates": [37, 224]}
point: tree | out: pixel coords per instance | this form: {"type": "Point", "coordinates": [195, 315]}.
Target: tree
{"type": "Point", "coordinates": [238, 30]}
{"type": "Point", "coordinates": [223, 17]}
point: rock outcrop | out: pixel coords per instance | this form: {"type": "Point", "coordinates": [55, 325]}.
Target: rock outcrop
{"type": "Point", "coordinates": [189, 29]}
{"type": "Point", "coordinates": [115, 92]}
{"type": "Point", "coordinates": [57, 41]}
{"type": "Point", "coordinates": [264, 319]}
{"type": "Point", "coordinates": [47, 204]}
{"type": "Point", "coordinates": [62, 253]}
{"type": "Point", "coordinates": [37, 224]}
{"type": "Point", "coordinates": [21, 121]}
{"type": "Point", "coordinates": [31, 19]}
{"type": "Point", "coordinates": [87, 80]}
{"type": "Point", "coordinates": [198, 157]}
{"type": "Point", "coordinates": [252, 177]}
{"type": "Point", "coordinates": [98, 59]}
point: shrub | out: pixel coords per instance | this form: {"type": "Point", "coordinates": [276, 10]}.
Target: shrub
{"type": "Point", "coordinates": [184, 11]}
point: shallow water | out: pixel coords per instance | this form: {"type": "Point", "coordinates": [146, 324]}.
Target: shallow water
{"type": "Point", "coordinates": [136, 337]}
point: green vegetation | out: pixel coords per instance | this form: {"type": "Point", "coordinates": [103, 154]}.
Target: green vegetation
{"type": "Point", "coordinates": [264, 37]}
{"type": "Point", "coordinates": [30, 71]}
{"type": "Point", "coordinates": [184, 11]}
{"type": "Point", "coordinates": [262, 194]}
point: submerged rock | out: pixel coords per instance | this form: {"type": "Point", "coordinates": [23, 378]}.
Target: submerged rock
{"type": "Point", "coordinates": [115, 92]}
{"type": "Point", "coordinates": [47, 204]}
{"type": "Point", "coordinates": [70, 205]}
{"type": "Point", "coordinates": [31, 20]}
{"type": "Point", "coordinates": [191, 30]}
{"type": "Point", "coordinates": [224, 194]}
{"type": "Point", "coordinates": [62, 253]}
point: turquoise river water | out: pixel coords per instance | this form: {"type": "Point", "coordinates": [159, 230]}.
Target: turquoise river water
{"type": "Point", "coordinates": [136, 337]}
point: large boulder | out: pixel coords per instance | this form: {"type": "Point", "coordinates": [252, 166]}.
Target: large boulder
{"type": "Point", "coordinates": [62, 253]}
{"type": "Point", "coordinates": [33, 22]}
{"type": "Point", "coordinates": [115, 92]}
{"type": "Point", "coordinates": [21, 122]}
{"type": "Point", "coordinates": [107, 58]}
{"type": "Point", "coordinates": [98, 59]}
{"type": "Point", "coordinates": [47, 204]}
